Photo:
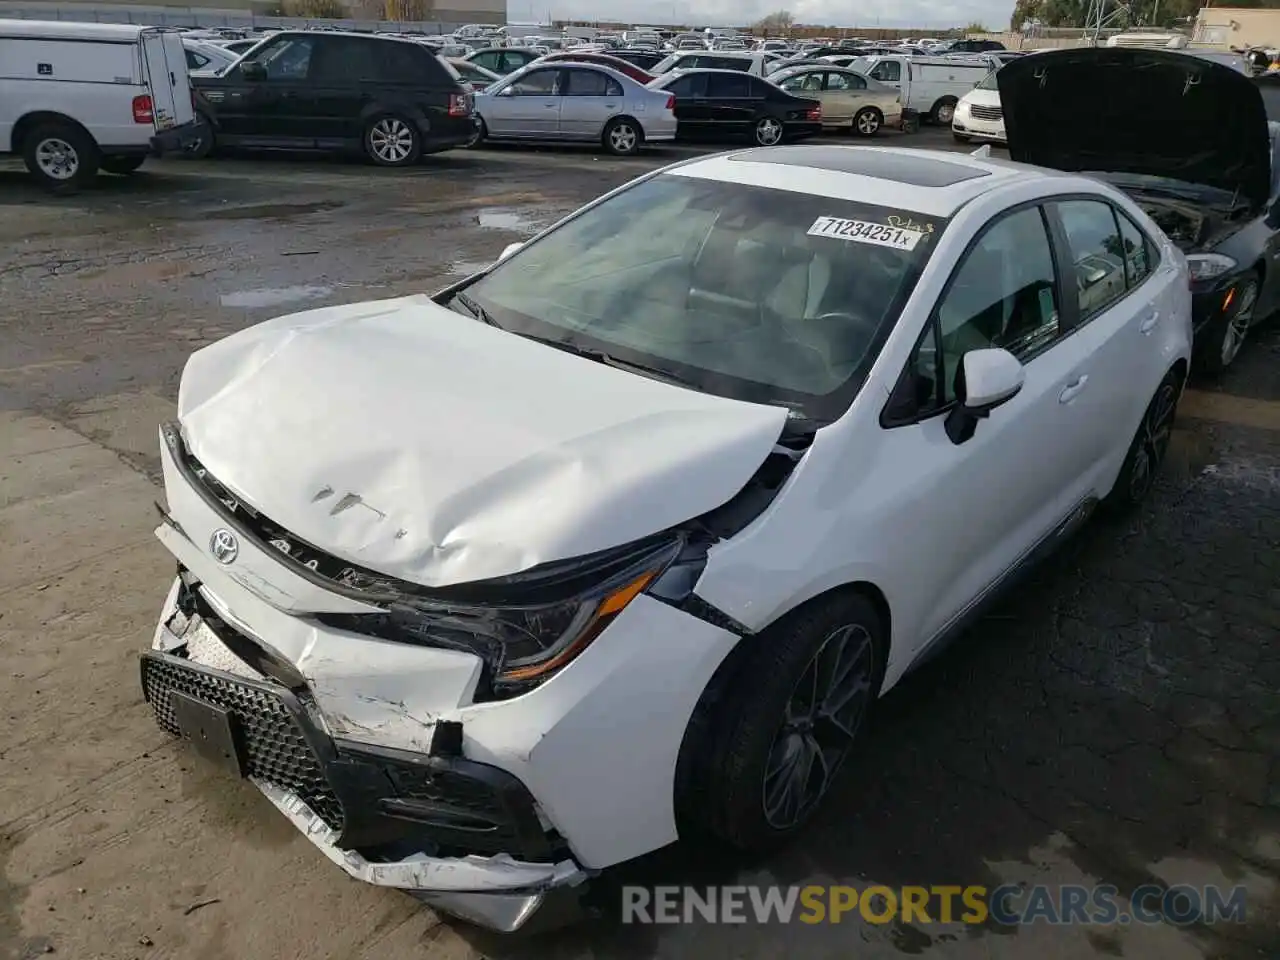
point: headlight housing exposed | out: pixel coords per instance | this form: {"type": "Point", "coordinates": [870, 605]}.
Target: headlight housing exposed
{"type": "Point", "coordinates": [528, 627]}
{"type": "Point", "coordinates": [1208, 266]}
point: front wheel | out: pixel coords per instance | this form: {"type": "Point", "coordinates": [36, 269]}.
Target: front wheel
{"type": "Point", "coordinates": [1222, 337]}
{"type": "Point", "coordinates": [392, 141]}
{"type": "Point", "coordinates": [868, 122]}
{"type": "Point", "coordinates": [122, 166]}
{"type": "Point", "coordinates": [1147, 450]}
{"type": "Point", "coordinates": [622, 137]}
{"type": "Point", "coordinates": [768, 131]}
{"type": "Point", "coordinates": [762, 757]}
{"type": "Point", "coordinates": [62, 157]}
{"type": "Point", "coordinates": [478, 135]}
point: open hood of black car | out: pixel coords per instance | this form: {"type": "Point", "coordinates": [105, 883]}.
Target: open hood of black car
{"type": "Point", "coordinates": [1155, 112]}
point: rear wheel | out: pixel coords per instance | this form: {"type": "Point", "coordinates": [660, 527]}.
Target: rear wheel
{"type": "Point", "coordinates": [61, 156]}
{"type": "Point", "coordinates": [477, 137]}
{"type": "Point", "coordinates": [392, 141]}
{"type": "Point", "coordinates": [204, 145]}
{"type": "Point", "coordinates": [622, 137]}
{"type": "Point", "coordinates": [868, 121]}
{"type": "Point", "coordinates": [944, 111]}
{"type": "Point", "coordinates": [1223, 336]}
{"type": "Point", "coordinates": [768, 131]}
{"type": "Point", "coordinates": [122, 165]}
{"type": "Point", "coordinates": [1147, 450]}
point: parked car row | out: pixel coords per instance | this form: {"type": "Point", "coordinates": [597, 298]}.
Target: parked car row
{"type": "Point", "coordinates": [693, 452]}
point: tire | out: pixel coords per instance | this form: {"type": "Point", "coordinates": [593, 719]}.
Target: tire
{"type": "Point", "coordinates": [767, 132]}
{"type": "Point", "coordinates": [728, 780]}
{"type": "Point", "coordinates": [479, 136]}
{"type": "Point", "coordinates": [1219, 343]}
{"type": "Point", "coordinates": [943, 111]}
{"type": "Point", "coordinates": [61, 156]}
{"type": "Point", "coordinates": [392, 141]}
{"type": "Point", "coordinates": [623, 137]}
{"type": "Point", "coordinates": [960, 137]}
{"type": "Point", "coordinates": [122, 165]}
{"type": "Point", "coordinates": [206, 145]}
{"type": "Point", "coordinates": [1147, 449]}
{"type": "Point", "coordinates": [867, 122]}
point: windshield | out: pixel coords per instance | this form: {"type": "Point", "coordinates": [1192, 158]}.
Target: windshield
{"type": "Point", "coordinates": [763, 295]}
{"type": "Point", "coordinates": [988, 82]}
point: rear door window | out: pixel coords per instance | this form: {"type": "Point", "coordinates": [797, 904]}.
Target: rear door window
{"type": "Point", "coordinates": [728, 86]}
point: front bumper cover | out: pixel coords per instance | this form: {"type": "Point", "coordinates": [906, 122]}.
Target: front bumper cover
{"type": "Point", "coordinates": [447, 829]}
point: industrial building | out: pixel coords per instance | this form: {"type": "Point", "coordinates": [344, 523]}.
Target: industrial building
{"type": "Point", "coordinates": [1238, 27]}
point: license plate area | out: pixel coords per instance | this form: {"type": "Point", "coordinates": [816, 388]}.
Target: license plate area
{"type": "Point", "coordinates": [213, 731]}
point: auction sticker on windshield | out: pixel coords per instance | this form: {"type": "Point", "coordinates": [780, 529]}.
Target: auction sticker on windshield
{"type": "Point", "coordinates": [863, 231]}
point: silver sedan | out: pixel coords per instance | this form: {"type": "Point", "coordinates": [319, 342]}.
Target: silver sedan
{"type": "Point", "coordinates": [572, 101]}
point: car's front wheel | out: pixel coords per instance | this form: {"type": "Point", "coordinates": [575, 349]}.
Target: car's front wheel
{"type": "Point", "coordinates": [1148, 447]}
{"type": "Point", "coordinates": [1222, 337]}
{"type": "Point", "coordinates": [392, 141]}
{"type": "Point", "coordinates": [770, 737]}
{"type": "Point", "coordinates": [478, 134]}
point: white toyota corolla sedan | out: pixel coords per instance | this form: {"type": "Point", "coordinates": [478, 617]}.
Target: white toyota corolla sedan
{"type": "Point", "coordinates": [623, 537]}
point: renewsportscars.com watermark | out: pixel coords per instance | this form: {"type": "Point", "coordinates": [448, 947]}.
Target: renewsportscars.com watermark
{"type": "Point", "coordinates": [1010, 905]}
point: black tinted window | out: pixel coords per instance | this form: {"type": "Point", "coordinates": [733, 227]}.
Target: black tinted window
{"type": "Point", "coordinates": [691, 85]}
{"type": "Point", "coordinates": [1139, 252]}
{"type": "Point", "coordinates": [729, 63]}
{"type": "Point", "coordinates": [1097, 252]}
{"type": "Point", "coordinates": [288, 58]}
{"type": "Point", "coordinates": [515, 59]}
{"type": "Point", "coordinates": [590, 83]}
{"type": "Point", "coordinates": [490, 60]}
{"type": "Point", "coordinates": [728, 85]}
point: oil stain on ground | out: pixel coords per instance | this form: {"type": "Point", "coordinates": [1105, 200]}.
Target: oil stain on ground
{"type": "Point", "coordinates": [273, 211]}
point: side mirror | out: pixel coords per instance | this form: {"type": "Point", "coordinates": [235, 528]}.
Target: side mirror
{"type": "Point", "coordinates": [505, 92]}
{"type": "Point", "coordinates": [508, 250]}
{"type": "Point", "coordinates": [253, 70]}
{"type": "Point", "coordinates": [986, 379]}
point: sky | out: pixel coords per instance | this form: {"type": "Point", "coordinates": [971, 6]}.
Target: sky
{"type": "Point", "coordinates": [861, 13]}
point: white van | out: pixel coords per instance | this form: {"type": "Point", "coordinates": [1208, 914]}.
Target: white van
{"type": "Point", "coordinates": [931, 86]}
{"type": "Point", "coordinates": [79, 97]}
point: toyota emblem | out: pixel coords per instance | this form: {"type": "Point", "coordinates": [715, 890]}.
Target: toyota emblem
{"type": "Point", "coordinates": [224, 546]}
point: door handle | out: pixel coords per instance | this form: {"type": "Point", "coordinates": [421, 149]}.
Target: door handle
{"type": "Point", "coordinates": [1149, 322]}
{"type": "Point", "coordinates": [1072, 389]}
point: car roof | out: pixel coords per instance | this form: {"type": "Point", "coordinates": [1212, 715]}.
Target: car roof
{"type": "Point", "coordinates": [744, 54]}
{"type": "Point", "coordinates": [60, 30]}
{"type": "Point", "coordinates": [933, 182]}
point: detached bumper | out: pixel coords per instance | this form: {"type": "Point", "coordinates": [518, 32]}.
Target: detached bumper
{"type": "Point", "coordinates": [179, 139]}
{"type": "Point", "coordinates": [386, 817]}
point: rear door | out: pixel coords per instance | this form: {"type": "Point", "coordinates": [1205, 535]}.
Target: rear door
{"type": "Point", "coordinates": [589, 98]}
{"type": "Point", "coordinates": [162, 77]}
{"type": "Point", "coordinates": [693, 111]}
{"type": "Point", "coordinates": [344, 77]}
{"type": "Point", "coordinates": [842, 95]}
{"type": "Point", "coordinates": [733, 105]}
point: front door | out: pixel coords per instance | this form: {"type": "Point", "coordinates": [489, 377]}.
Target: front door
{"type": "Point", "coordinates": [529, 107]}
{"type": "Point", "coordinates": [980, 505]}
{"type": "Point", "coordinates": [589, 98]}
{"type": "Point", "coordinates": [274, 108]}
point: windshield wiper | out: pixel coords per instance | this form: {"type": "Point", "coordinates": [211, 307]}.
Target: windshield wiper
{"type": "Point", "coordinates": [477, 311]}
{"type": "Point", "coordinates": [609, 360]}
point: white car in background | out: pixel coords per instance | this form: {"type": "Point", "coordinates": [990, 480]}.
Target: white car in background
{"type": "Point", "coordinates": [206, 58]}
{"type": "Point", "coordinates": [629, 532]}
{"type": "Point", "coordinates": [979, 115]}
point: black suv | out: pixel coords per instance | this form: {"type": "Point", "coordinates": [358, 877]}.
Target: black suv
{"type": "Point", "coordinates": [389, 98]}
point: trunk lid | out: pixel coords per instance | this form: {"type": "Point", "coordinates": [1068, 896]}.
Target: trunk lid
{"type": "Point", "coordinates": [1152, 112]}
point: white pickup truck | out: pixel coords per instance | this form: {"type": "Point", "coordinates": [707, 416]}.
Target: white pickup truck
{"type": "Point", "coordinates": [76, 98]}
{"type": "Point", "coordinates": [931, 86]}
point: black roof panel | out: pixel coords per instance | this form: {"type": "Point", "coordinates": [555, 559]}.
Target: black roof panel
{"type": "Point", "coordinates": [918, 171]}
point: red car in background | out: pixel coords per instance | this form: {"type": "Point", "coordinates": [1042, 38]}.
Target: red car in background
{"type": "Point", "coordinates": [604, 60]}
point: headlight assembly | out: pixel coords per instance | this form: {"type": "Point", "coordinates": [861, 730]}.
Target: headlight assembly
{"type": "Point", "coordinates": [1207, 266]}
{"type": "Point", "coordinates": [524, 640]}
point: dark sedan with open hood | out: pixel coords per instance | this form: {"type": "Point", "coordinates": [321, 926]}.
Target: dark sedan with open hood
{"type": "Point", "coordinates": [1188, 139]}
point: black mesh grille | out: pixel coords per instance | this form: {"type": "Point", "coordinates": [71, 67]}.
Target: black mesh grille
{"type": "Point", "coordinates": [986, 113]}
{"type": "Point", "coordinates": [275, 748]}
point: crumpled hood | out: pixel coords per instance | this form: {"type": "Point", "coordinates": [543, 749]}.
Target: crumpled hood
{"type": "Point", "coordinates": [1155, 112]}
{"type": "Point", "coordinates": [404, 437]}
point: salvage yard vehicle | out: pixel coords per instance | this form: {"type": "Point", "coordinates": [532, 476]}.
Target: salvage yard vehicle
{"type": "Point", "coordinates": [932, 86]}
{"type": "Point", "coordinates": [850, 101]}
{"type": "Point", "coordinates": [1185, 136]}
{"type": "Point", "coordinates": [979, 114]}
{"type": "Point", "coordinates": [76, 98]}
{"type": "Point", "coordinates": [628, 532]}
{"type": "Point", "coordinates": [729, 105]}
{"type": "Point", "coordinates": [576, 102]}
{"type": "Point", "coordinates": [391, 99]}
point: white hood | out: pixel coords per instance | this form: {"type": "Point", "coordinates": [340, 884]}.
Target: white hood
{"type": "Point", "coordinates": [404, 437]}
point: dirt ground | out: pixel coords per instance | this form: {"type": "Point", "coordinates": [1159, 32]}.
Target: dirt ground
{"type": "Point", "coordinates": [1116, 720]}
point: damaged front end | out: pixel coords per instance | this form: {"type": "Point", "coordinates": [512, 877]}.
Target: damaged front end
{"type": "Point", "coordinates": [430, 738]}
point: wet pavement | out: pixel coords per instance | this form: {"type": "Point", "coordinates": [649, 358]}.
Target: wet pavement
{"type": "Point", "coordinates": [1115, 720]}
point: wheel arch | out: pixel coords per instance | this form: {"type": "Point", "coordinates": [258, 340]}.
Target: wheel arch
{"type": "Point", "coordinates": [28, 122]}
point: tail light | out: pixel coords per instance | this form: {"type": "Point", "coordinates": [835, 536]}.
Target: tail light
{"type": "Point", "coordinates": [459, 104]}
{"type": "Point", "coordinates": [671, 102]}
{"type": "Point", "coordinates": [143, 111]}
{"type": "Point", "coordinates": [814, 113]}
